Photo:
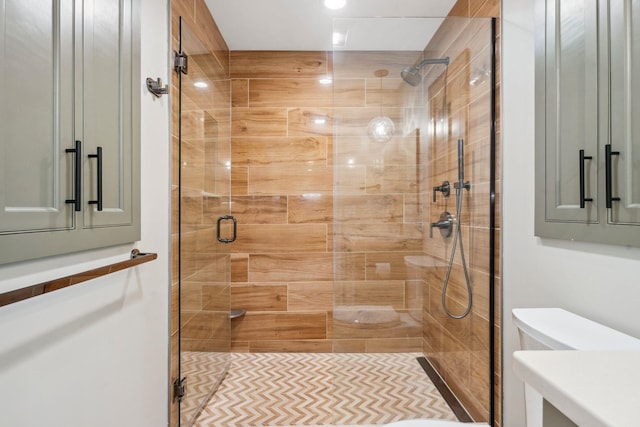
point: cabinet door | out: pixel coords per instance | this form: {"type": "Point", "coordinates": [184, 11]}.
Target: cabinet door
{"type": "Point", "coordinates": [625, 111]}
{"type": "Point", "coordinates": [106, 119]}
{"type": "Point", "coordinates": [566, 110]}
{"type": "Point", "coordinates": [36, 89]}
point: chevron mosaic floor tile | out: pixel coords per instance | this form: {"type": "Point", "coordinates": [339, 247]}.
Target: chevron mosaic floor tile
{"type": "Point", "coordinates": [322, 389]}
{"type": "Point", "coordinates": [203, 370]}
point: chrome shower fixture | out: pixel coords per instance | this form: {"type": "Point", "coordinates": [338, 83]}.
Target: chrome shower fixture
{"type": "Point", "coordinates": [461, 182]}
{"type": "Point", "coordinates": [459, 186]}
{"type": "Point", "coordinates": [411, 73]}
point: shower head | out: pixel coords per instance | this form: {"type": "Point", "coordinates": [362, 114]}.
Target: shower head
{"type": "Point", "coordinates": [411, 74]}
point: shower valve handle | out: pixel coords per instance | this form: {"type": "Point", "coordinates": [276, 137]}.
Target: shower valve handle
{"type": "Point", "coordinates": [445, 189]}
{"type": "Point", "coordinates": [444, 223]}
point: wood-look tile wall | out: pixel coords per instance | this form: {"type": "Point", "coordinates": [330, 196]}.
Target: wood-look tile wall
{"type": "Point", "coordinates": [206, 120]}
{"type": "Point", "coordinates": [378, 199]}
{"type": "Point", "coordinates": [325, 217]}
{"type": "Point", "coordinates": [460, 349]}
{"type": "Point", "coordinates": [282, 198]}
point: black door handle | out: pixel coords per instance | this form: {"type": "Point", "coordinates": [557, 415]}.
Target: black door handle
{"type": "Point", "coordinates": [77, 177]}
{"type": "Point", "coordinates": [235, 228]}
{"type": "Point", "coordinates": [582, 179]}
{"type": "Point", "coordinates": [98, 156]}
{"type": "Point", "coordinates": [608, 175]}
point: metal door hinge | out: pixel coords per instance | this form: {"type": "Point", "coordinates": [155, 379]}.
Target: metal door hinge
{"type": "Point", "coordinates": [179, 389]}
{"type": "Point", "coordinates": [180, 62]}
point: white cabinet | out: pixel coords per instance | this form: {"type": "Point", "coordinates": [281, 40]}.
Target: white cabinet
{"type": "Point", "coordinates": [67, 73]}
{"type": "Point", "coordinates": [587, 114]}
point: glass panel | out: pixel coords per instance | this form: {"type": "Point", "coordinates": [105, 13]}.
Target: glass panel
{"type": "Point", "coordinates": [389, 269]}
{"type": "Point", "coordinates": [204, 195]}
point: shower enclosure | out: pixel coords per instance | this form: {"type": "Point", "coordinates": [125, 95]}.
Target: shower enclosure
{"type": "Point", "coordinates": [203, 226]}
{"type": "Point", "coordinates": [340, 189]}
{"type": "Point", "coordinates": [397, 197]}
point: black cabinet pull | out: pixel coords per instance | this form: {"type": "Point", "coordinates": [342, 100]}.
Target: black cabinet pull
{"type": "Point", "coordinates": [77, 177]}
{"type": "Point", "coordinates": [235, 228]}
{"type": "Point", "coordinates": [608, 175]}
{"type": "Point", "coordinates": [98, 156]}
{"type": "Point", "coordinates": [582, 179]}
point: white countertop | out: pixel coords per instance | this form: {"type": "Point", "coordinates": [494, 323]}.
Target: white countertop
{"type": "Point", "coordinates": [592, 388]}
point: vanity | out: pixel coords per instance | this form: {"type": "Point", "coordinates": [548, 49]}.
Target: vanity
{"type": "Point", "coordinates": [584, 388]}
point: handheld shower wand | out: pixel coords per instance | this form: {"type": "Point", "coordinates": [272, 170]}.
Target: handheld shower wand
{"type": "Point", "coordinates": [461, 160]}
{"type": "Point", "coordinates": [459, 186]}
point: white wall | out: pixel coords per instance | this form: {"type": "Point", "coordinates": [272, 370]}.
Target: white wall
{"type": "Point", "coordinates": [596, 281]}
{"type": "Point", "coordinates": [97, 354]}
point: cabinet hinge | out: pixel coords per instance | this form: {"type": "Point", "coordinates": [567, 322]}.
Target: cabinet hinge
{"type": "Point", "coordinates": [179, 389]}
{"type": "Point", "coordinates": [180, 62]}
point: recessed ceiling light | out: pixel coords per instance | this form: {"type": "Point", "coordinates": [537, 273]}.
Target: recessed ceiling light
{"type": "Point", "coordinates": [334, 4]}
{"type": "Point", "coordinates": [200, 84]}
{"type": "Point", "coordinates": [325, 81]}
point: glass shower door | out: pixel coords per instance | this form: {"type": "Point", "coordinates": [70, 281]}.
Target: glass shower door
{"type": "Point", "coordinates": [205, 225]}
{"type": "Point", "coordinates": [432, 79]}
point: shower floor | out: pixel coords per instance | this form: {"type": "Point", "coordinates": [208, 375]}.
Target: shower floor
{"type": "Point", "coordinates": [323, 389]}
{"type": "Point", "coordinates": [203, 370]}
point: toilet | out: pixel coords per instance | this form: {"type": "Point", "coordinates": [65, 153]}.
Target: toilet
{"type": "Point", "coordinates": [558, 329]}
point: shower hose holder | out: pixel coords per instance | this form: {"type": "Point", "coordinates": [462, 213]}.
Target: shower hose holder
{"type": "Point", "coordinates": [462, 184]}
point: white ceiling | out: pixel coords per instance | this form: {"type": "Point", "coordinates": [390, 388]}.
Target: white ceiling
{"type": "Point", "coordinates": [308, 25]}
